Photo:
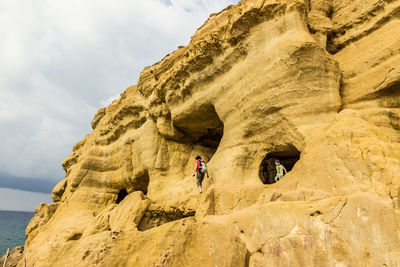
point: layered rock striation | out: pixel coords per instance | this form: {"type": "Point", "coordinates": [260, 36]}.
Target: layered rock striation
{"type": "Point", "coordinates": [313, 82]}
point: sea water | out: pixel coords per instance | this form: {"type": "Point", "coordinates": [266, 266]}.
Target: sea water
{"type": "Point", "coordinates": [12, 229]}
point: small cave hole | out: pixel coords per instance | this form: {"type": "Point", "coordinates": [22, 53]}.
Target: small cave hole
{"type": "Point", "coordinates": [212, 138]}
{"type": "Point", "coordinates": [315, 213]}
{"type": "Point", "coordinates": [155, 218]}
{"type": "Point", "coordinates": [201, 126]}
{"type": "Point", "coordinates": [287, 157]}
{"type": "Point", "coordinates": [212, 133]}
{"type": "Point", "coordinates": [121, 195]}
{"type": "Point", "coordinates": [141, 183]}
{"type": "Point", "coordinates": [75, 236]}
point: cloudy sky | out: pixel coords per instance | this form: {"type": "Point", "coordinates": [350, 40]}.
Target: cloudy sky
{"type": "Point", "coordinates": [61, 60]}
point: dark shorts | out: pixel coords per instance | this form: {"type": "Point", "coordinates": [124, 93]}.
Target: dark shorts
{"type": "Point", "coordinates": [200, 177]}
{"type": "Point", "coordinates": [278, 177]}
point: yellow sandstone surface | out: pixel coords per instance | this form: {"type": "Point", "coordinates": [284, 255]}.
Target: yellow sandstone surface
{"type": "Point", "coordinates": [312, 82]}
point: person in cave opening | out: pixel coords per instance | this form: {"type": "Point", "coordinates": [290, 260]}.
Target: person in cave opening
{"type": "Point", "coordinates": [280, 170]}
{"type": "Point", "coordinates": [200, 171]}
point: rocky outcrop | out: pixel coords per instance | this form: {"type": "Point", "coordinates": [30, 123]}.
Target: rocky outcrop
{"type": "Point", "coordinates": [13, 258]}
{"type": "Point", "coordinates": [315, 83]}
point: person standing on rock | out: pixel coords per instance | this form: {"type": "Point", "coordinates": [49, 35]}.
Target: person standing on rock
{"type": "Point", "coordinates": [200, 171]}
{"type": "Point", "coordinates": [279, 170]}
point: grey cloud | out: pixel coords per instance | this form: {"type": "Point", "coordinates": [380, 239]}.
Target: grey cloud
{"type": "Point", "coordinates": [26, 184]}
{"type": "Point", "coordinates": [166, 2]}
{"type": "Point", "coordinates": [11, 199]}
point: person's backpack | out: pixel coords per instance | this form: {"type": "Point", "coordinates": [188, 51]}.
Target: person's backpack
{"type": "Point", "coordinates": [203, 167]}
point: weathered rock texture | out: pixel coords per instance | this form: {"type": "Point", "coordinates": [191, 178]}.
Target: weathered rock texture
{"type": "Point", "coordinates": [264, 77]}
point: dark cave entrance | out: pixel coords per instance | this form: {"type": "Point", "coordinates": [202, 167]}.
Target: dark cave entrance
{"type": "Point", "coordinates": [155, 218]}
{"type": "Point", "coordinates": [121, 195]}
{"type": "Point", "coordinates": [142, 182]}
{"type": "Point", "coordinates": [201, 126]}
{"type": "Point", "coordinates": [139, 183]}
{"type": "Point", "coordinates": [287, 157]}
{"type": "Point", "coordinates": [211, 135]}
{"type": "Point", "coordinates": [211, 138]}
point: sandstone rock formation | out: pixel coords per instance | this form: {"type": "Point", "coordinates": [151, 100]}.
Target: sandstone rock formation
{"type": "Point", "coordinates": [313, 82]}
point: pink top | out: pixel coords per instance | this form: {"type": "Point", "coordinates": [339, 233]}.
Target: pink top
{"type": "Point", "coordinates": [197, 166]}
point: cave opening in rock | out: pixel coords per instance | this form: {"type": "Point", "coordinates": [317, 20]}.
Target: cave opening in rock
{"type": "Point", "coordinates": [155, 218]}
{"type": "Point", "coordinates": [211, 138]}
{"type": "Point", "coordinates": [288, 158]}
{"type": "Point", "coordinates": [121, 195]}
{"type": "Point", "coordinates": [142, 182]}
{"type": "Point", "coordinates": [201, 126]}
{"type": "Point", "coordinates": [75, 236]}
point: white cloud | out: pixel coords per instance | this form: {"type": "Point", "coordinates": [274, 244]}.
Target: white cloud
{"type": "Point", "coordinates": [109, 100]}
{"type": "Point", "coordinates": [60, 59]}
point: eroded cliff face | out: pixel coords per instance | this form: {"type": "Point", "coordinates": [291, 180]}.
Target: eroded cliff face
{"type": "Point", "coordinates": [318, 79]}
